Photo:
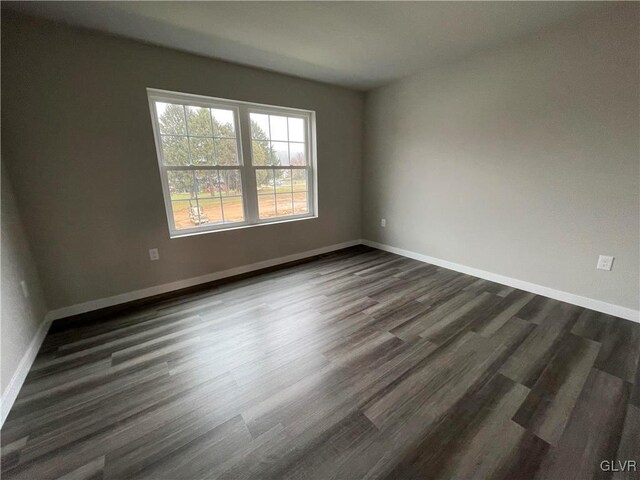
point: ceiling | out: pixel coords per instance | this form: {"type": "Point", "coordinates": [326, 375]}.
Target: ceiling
{"type": "Point", "coordinates": [355, 44]}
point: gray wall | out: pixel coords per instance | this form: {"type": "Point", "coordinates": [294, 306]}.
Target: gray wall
{"type": "Point", "coordinates": [522, 161]}
{"type": "Point", "coordinates": [20, 318]}
{"type": "Point", "coordinates": [80, 148]}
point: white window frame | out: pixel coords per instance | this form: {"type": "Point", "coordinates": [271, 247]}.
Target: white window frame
{"type": "Point", "coordinates": [245, 165]}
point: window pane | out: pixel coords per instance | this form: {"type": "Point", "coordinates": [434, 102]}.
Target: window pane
{"type": "Point", "coordinates": [201, 150]}
{"type": "Point", "coordinates": [171, 118]}
{"type": "Point", "coordinates": [226, 152]}
{"type": "Point", "coordinates": [223, 123]}
{"type": "Point", "coordinates": [175, 150]}
{"type": "Point", "coordinates": [233, 209]}
{"type": "Point", "coordinates": [284, 204]}
{"type": "Point", "coordinates": [210, 210]}
{"type": "Point", "coordinates": [259, 126]}
{"type": "Point", "coordinates": [262, 153]}
{"type": "Point", "coordinates": [300, 203]}
{"type": "Point", "coordinates": [298, 153]}
{"type": "Point", "coordinates": [181, 185]}
{"type": "Point", "coordinates": [183, 214]}
{"type": "Point", "coordinates": [265, 181]}
{"type": "Point", "coordinates": [280, 152]}
{"type": "Point", "coordinates": [296, 130]}
{"type": "Point", "coordinates": [199, 121]}
{"type": "Point", "coordinates": [219, 196]}
{"type": "Point", "coordinates": [207, 184]}
{"type": "Point", "coordinates": [282, 179]}
{"type": "Point", "coordinates": [267, 206]}
{"type": "Point", "coordinates": [299, 180]}
{"type": "Point", "coordinates": [278, 128]}
{"type": "Point", "coordinates": [230, 183]}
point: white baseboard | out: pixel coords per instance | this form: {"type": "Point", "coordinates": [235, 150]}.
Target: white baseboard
{"type": "Point", "coordinates": [189, 282]}
{"type": "Point", "coordinates": [597, 305]}
{"type": "Point", "coordinates": [11, 392]}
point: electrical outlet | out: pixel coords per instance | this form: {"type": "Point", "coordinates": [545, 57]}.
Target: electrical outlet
{"type": "Point", "coordinates": [25, 290]}
{"type": "Point", "coordinates": [605, 262]}
{"type": "Point", "coordinates": [383, 222]}
{"type": "Point", "coordinates": [153, 254]}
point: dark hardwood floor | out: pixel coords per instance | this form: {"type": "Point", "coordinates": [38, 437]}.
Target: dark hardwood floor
{"type": "Point", "coordinates": [361, 364]}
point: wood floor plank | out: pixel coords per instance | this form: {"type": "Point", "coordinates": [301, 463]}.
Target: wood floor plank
{"type": "Point", "coordinates": [94, 470]}
{"type": "Point", "coordinates": [198, 457]}
{"type": "Point", "coordinates": [593, 432]}
{"type": "Point", "coordinates": [35, 463]}
{"type": "Point", "coordinates": [620, 352]}
{"type": "Point", "coordinates": [449, 325]}
{"type": "Point", "coordinates": [546, 410]}
{"type": "Point", "coordinates": [318, 456]}
{"type": "Point", "coordinates": [537, 309]}
{"type": "Point", "coordinates": [530, 360]}
{"type": "Point", "coordinates": [463, 444]}
{"type": "Point", "coordinates": [430, 389]}
{"type": "Point", "coordinates": [10, 453]}
{"type": "Point", "coordinates": [502, 312]}
{"type": "Point", "coordinates": [629, 446]}
{"type": "Point", "coordinates": [418, 324]}
{"type": "Point", "coordinates": [635, 393]}
{"type": "Point", "coordinates": [358, 364]}
{"type": "Point", "coordinates": [592, 325]}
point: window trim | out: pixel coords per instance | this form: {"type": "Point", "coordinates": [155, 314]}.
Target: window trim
{"type": "Point", "coordinates": [241, 114]}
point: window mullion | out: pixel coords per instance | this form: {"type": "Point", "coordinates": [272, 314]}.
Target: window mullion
{"type": "Point", "coordinates": [249, 190]}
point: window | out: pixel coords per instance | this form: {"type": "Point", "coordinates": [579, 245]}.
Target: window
{"type": "Point", "coordinates": [227, 164]}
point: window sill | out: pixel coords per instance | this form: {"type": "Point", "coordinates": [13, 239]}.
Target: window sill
{"type": "Point", "coordinates": [263, 223]}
